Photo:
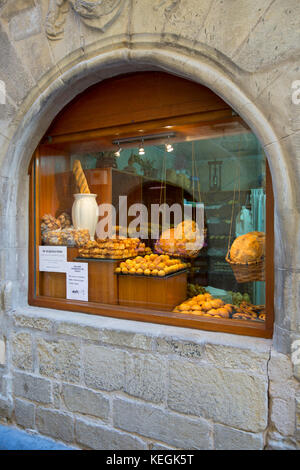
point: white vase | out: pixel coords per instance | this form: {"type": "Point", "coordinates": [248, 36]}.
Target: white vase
{"type": "Point", "coordinates": [85, 213]}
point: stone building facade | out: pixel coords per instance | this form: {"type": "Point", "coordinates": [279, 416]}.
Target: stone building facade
{"type": "Point", "coordinates": [94, 382]}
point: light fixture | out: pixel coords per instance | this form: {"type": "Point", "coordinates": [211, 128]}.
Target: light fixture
{"type": "Point", "coordinates": [149, 137]}
{"type": "Point", "coordinates": [141, 148]}
{"type": "Point", "coordinates": [168, 146]}
{"type": "Point", "coordinates": [118, 152]}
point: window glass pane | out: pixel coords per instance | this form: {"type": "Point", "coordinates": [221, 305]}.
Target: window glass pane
{"type": "Point", "coordinates": [181, 228]}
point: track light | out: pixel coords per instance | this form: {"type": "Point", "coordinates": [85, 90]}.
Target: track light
{"type": "Point", "coordinates": [141, 148]}
{"type": "Point", "coordinates": [168, 146]}
{"type": "Point", "coordinates": [118, 152]}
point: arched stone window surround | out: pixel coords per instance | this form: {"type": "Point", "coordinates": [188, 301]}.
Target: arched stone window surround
{"type": "Point", "coordinates": [218, 74]}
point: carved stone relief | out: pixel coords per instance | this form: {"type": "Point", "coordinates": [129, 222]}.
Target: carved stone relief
{"type": "Point", "coordinates": [97, 14]}
{"type": "Point", "coordinates": [170, 6]}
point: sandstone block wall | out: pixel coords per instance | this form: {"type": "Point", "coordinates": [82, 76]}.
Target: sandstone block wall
{"type": "Point", "coordinates": [86, 382]}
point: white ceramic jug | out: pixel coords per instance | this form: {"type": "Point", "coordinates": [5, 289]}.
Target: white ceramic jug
{"type": "Point", "coordinates": [85, 212]}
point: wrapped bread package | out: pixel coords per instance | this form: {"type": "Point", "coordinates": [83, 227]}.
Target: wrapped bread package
{"type": "Point", "coordinates": [66, 237]}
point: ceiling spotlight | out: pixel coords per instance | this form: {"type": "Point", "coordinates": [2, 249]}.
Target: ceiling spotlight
{"type": "Point", "coordinates": [118, 152]}
{"type": "Point", "coordinates": [141, 148]}
{"type": "Point", "coordinates": [168, 146]}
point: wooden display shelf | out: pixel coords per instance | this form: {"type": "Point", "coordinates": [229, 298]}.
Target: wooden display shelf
{"type": "Point", "coordinates": [162, 293]}
{"type": "Point", "coordinates": [103, 285]}
{"type": "Point", "coordinates": [54, 284]}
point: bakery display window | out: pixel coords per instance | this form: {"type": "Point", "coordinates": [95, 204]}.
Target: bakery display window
{"type": "Point", "coordinates": [165, 220]}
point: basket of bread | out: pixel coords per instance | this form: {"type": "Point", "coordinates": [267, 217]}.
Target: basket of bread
{"type": "Point", "coordinates": [184, 241]}
{"type": "Point", "coordinates": [247, 257]}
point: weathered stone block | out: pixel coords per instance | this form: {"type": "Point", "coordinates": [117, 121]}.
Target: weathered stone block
{"type": "Point", "coordinates": [2, 352]}
{"type": "Point", "coordinates": [298, 417]}
{"type": "Point", "coordinates": [282, 390]}
{"type": "Point", "coordinates": [158, 446]}
{"type": "Point", "coordinates": [232, 439]}
{"type": "Point", "coordinates": [182, 348]}
{"type": "Point", "coordinates": [84, 401]}
{"type": "Point", "coordinates": [79, 331]}
{"type": "Point", "coordinates": [25, 23]}
{"type": "Point", "coordinates": [32, 322]}
{"type": "Point", "coordinates": [3, 384]}
{"type": "Point", "coordinates": [56, 394]}
{"type": "Point", "coordinates": [145, 377]}
{"type": "Point", "coordinates": [32, 387]}
{"type": "Point", "coordinates": [5, 408]}
{"type": "Point", "coordinates": [233, 398]}
{"type": "Point", "coordinates": [280, 368]}
{"type": "Point", "coordinates": [256, 52]}
{"type": "Point", "coordinates": [95, 436]}
{"type": "Point", "coordinates": [55, 424]}
{"type": "Point", "coordinates": [281, 444]}
{"type": "Point", "coordinates": [150, 421]}
{"type": "Point", "coordinates": [283, 415]}
{"type": "Point", "coordinates": [125, 338]}
{"type": "Point", "coordinates": [24, 413]}
{"type": "Point", "coordinates": [16, 78]}
{"type": "Point", "coordinates": [104, 368]}
{"type": "Point", "coordinates": [226, 27]}
{"type": "Point", "coordinates": [22, 351]}
{"type": "Point", "coordinates": [59, 359]}
{"type": "Point", "coordinates": [236, 358]}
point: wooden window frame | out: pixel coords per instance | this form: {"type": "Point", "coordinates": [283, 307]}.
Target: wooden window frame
{"type": "Point", "coordinates": [255, 329]}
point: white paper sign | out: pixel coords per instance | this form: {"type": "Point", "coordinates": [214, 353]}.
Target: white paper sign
{"type": "Point", "coordinates": [53, 259]}
{"type": "Point", "coordinates": [77, 281]}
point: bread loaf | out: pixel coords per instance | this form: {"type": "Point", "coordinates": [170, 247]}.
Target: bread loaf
{"type": "Point", "coordinates": [248, 248]}
{"type": "Point", "coordinates": [80, 178]}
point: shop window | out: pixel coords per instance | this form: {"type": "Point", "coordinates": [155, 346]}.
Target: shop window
{"type": "Point", "coordinates": [152, 200]}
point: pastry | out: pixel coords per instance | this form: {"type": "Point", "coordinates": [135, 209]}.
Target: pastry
{"type": "Point", "coordinates": [48, 222]}
{"type": "Point", "coordinates": [65, 220]}
{"type": "Point", "coordinates": [242, 316]}
{"type": "Point", "coordinates": [66, 237]}
{"type": "Point", "coordinates": [112, 248]}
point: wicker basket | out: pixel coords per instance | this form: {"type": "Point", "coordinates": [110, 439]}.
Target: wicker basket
{"type": "Point", "coordinates": [249, 272]}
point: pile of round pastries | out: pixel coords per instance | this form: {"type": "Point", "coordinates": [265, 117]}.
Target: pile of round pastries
{"type": "Point", "coordinates": [151, 265]}
{"type": "Point", "coordinates": [207, 306]}
{"type": "Point", "coordinates": [112, 248]}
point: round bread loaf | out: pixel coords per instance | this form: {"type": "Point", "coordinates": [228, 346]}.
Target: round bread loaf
{"type": "Point", "coordinates": [248, 248]}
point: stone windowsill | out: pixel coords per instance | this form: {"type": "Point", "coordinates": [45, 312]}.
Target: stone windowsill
{"type": "Point", "coordinates": [66, 322]}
